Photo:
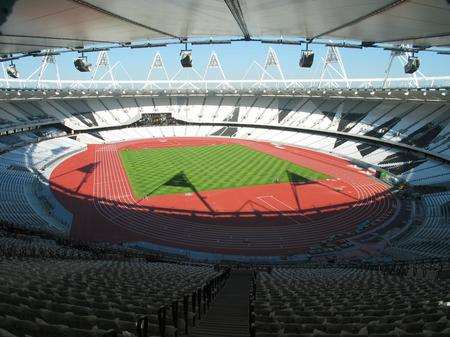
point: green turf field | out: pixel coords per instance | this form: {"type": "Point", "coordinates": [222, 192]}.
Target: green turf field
{"type": "Point", "coordinates": [190, 169]}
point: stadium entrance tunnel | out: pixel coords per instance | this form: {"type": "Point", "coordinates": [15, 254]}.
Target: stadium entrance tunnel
{"type": "Point", "coordinates": [348, 208]}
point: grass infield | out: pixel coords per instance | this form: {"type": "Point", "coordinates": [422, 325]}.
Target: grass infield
{"type": "Point", "coordinates": [200, 168]}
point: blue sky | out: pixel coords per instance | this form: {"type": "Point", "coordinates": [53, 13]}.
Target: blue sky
{"type": "Point", "coordinates": [236, 59]}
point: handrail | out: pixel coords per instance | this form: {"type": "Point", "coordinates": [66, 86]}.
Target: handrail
{"type": "Point", "coordinates": [251, 306]}
{"type": "Point", "coordinates": [201, 300]}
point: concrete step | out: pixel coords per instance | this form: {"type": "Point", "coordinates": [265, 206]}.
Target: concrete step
{"type": "Point", "coordinates": [228, 316]}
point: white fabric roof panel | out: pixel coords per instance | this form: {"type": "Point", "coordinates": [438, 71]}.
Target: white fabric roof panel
{"type": "Point", "coordinates": [306, 18]}
{"type": "Point", "coordinates": [412, 19]}
{"type": "Point", "coordinates": [37, 25]}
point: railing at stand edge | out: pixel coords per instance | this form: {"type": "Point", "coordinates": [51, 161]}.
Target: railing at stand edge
{"type": "Point", "coordinates": [201, 300]}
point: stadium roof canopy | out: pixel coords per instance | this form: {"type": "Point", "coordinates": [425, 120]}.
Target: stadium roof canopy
{"type": "Point", "coordinates": [33, 25]}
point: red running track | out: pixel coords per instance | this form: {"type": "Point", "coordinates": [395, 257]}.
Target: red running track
{"type": "Point", "coordinates": [276, 219]}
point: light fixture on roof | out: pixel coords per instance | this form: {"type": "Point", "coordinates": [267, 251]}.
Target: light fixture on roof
{"type": "Point", "coordinates": [186, 57]}
{"type": "Point", "coordinates": [412, 65]}
{"type": "Point", "coordinates": [12, 71]}
{"type": "Point", "coordinates": [306, 57]}
{"type": "Point", "coordinates": [81, 64]}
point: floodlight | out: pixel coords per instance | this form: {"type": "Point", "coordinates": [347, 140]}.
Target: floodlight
{"type": "Point", "coordinates": [412, 65]}
{"type": "Point", "coordinates": [306, 58]}
{"type": "Point", "coordinates": [12, 71]}
{"type": "Point", "coordinates": [82, 64]}
{"type": "Point", "coordinates": [186, 57]}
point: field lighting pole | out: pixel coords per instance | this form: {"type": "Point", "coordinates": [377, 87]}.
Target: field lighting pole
{"type": "Point", "coordinates": [47, 60]}
{"type": "Point", "coordinates": [158, 65]}
{"type": "Point", "coordinates": [214, 64]}
{"type": "Point", "coordinates": [333, 66]}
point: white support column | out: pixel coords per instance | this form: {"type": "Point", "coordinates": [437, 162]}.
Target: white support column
{"type": "Point", "coordinates": [48, 61]}
{"type": "Point", "coordinates": [271, 62]}
{"type": "Point", "coordinates": [333, 68]}
{"type": "Point", "coordinates": [215, 64]}
{"type": "Point", "coordinates": [103, 63]}
{"type": "Point", "coordinates": [157, 65]}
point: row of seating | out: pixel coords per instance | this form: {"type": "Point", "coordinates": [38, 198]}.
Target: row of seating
{"type": "Point", "coordinates": [59, 297]}
{"type": "Point", "coordinates": [301, 302]}
{"type": "Point", "coordinates": [432, 236]}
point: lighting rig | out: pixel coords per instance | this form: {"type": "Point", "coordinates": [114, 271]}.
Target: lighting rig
{"type": "Point", "coordinates": [306, 58]}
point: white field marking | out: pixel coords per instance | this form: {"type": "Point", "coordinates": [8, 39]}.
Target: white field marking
{"type": "Point", "coordinates": [106, 181]}
{"type": "Point", "coordinates": [261, 198]}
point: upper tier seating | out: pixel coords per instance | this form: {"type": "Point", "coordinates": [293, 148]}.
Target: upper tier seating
{"type": "Point", "coordinates": [411, 168]}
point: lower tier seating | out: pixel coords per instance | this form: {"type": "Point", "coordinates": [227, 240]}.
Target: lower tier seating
{"type": "Point", "coordinates": [348, 302]}
{"type": "Point", "coordinates": [54, 297]}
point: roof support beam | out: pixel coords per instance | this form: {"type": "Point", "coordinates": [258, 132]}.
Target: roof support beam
{"type": "Point", "coordinates": [362, 18]}
{"type": "Point", "coordinates": [431, 36]}
{"type": "Point", "coordinates": [55, 38]}
{"type": "Point", "coordinates": [235, 8]}
{"type": "Point", "coordinates": [122, 18]}
{"type": "Point", "coordinates": [29, 45]}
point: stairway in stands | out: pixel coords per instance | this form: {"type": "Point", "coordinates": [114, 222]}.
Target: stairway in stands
{"type": "Point", "coordinates": [228, 316]}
